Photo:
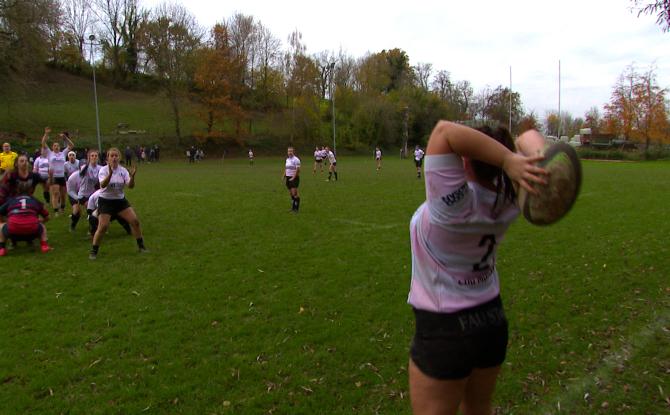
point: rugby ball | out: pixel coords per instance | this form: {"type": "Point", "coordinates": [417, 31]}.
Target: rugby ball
{"type": "Point", "coordinates": [555, 199]}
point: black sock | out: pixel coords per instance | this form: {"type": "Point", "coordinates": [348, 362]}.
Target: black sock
{"type": "Point", "coordinates": [140, 243]}
{"type": "Point", "coordinates": [329, 175]}
{"type": "Point", "coordinates": [94, 249]}
{"type": "Point", "coordinates": [335, 175]}
{"type": "Point", "coordinates": [296, 203]}
{"type": "Point", "coordinates": [75, 219]}
{"type": "Point", "coordinates": [62, 207]}
{"type": "Point", "coordinates": [47, 197]}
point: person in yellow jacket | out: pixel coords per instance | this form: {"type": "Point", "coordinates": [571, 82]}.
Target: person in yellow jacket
{"type": "Point", "coordinates": [7, 158]}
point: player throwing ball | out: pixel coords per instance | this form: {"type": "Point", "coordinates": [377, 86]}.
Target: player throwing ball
{"type": "Point", "coordinates": [292, 178]}
{"type": "Point", "coordinates": [461, 330]}
{"type": "Point", "coordinates": [112, 201]}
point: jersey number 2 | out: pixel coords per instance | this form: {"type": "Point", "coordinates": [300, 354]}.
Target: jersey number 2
{"type": "Point", "coordinates": [483, 264]}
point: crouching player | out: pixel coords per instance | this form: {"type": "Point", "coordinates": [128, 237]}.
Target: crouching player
{"type": "Point", "coordinates": [92, 211]}
{"type": "Point", "coordinates": [25, 217]}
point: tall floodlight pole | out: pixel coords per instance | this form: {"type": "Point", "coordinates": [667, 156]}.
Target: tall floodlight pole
{"type": "Point", "coordinates": [95, 96]}
{"type": "Point", "coordinates": [560, 118]}
{"type": "Point", "coordinates": [332, 98]}
{"type": "Point", "coordinates": [510, 99]}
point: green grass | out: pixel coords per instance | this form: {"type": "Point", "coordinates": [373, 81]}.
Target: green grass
{"type": "Point", "coordinates": [242, 307]}
{"type": "Point", "coordinates": [65, 102]}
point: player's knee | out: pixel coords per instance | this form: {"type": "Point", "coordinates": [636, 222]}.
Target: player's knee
{"type": "Point", "coordinates": [135, 223]}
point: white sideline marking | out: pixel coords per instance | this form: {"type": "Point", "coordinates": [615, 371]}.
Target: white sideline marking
{"type": "Point", "coordinates": [575, 392]}
{"type": "Point", "coordinates": [367, 225]}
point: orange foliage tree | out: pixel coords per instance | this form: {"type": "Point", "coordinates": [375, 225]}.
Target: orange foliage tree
{"type": "Point", "coordinates": [218, 85]}
{"type": "Point", "coordinates": [637, 109]}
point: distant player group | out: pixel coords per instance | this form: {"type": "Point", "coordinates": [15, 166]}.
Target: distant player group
{"type": "Point", "coordinates": [90, 187]}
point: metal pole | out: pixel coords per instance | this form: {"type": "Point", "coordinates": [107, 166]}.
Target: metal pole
{"type": "Point", "coordinates": [332, 97]}
{"type": "Point", "coordinates": [560, 118]}
{"type": "Point", "coordinates": [95, 97]}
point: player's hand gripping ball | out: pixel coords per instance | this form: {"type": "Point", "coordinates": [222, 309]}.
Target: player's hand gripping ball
{"type": "Point", "coordinates": [556, 198]}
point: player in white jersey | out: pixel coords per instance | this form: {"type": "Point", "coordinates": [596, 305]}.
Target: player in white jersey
{"type": "Point", "coordinates": [73, 185]}
{"type": "Point", "coordinates": [461, 330]}
{"type": "Point", "coordinates": [291, 174]}
{"type": "Point", "coordinates": [251, 157]}
{"type": "Point", "coordinates": [89, 183]}
{"type": "Point", "coordinates": [378, 158]}
{"type": "Point", "coordinates": [72, 164]}
{"type": "Point", "coordinates": [91, 206]}
{"type": "Point", "coordinates": [318, 159]}
{"type": "Point", "coordinates": [418, 160]}
{"type": "Point", "coordinates": [332, 164]}
{"type": "Point", "coordinates": [41, 167]}
{"type": "Point", "coordinates": [112, 201]}
{"type": "Point", "coordinates": [57, 169]}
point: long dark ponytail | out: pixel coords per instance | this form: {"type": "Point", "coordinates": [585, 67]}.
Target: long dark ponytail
{"type": "Point", "coordinates": [493, 174]}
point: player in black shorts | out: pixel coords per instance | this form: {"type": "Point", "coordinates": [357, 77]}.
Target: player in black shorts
{"type": "Point", "coordinates": [292, 178]}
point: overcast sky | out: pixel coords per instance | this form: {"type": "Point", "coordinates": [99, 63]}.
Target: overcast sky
{"type": "Point", "coordinates": [478, 41]}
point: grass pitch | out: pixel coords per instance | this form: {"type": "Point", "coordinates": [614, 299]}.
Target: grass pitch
{"type": "Point", "coordinates": [242, 307]}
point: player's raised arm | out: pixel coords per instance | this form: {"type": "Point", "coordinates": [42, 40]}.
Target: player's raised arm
{"type": "Point", "coordinates": [45, 137]}
{"type": "Point", "coordinates": [448, 137]}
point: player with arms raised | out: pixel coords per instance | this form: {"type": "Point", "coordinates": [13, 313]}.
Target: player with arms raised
{"type": "Point", "coordinates": [461, 330]}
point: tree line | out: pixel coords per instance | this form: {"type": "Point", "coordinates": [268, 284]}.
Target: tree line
{"type": "Point", "coordinates": [247, 83]}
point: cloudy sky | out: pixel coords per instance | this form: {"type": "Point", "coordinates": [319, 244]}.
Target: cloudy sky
{"type": "Point", "coordinates": [478, 40]}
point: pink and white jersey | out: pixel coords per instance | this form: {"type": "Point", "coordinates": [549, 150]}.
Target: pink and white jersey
{"type": "Point", "coordinates": [57, 162]}
{"type": "Point", "coordinates": [92, 203]}
{"type": "Point", "coordinates": [71, 167]}
{"type": "Point", "coordinates": [89, 180]}
{"type": "Point", "coordinates": [331, 157]}
{"type": "Point", "coordinates": [454, 237]}
{"type": "Point", "coordinates": [120, 178]}
{"type": "Point", "coordinates": [318, 155]}
{"type": "Point", "coordinates": [291, 166]}
{"type": "Point", "coordinates": [72, 185]}
{"type": "Point", "coordinates": [41, 167]}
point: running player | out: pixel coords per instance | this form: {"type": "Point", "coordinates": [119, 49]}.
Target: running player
{"type": "Point", "coordinates": [73, 185]}
{"type": "Point", "coordinates": [318, 159]}
{"type": "Point", "coordinates": [23, 214]}
{"type": "Point", "coordinates": [89, 184]}
{"type": "Point", "coordinates": [332, 168]}
{"type": "Point", "coordinates": [292, 178]}
{"type": "Point", "coordinates": [378, 158]}
{"type": "Point", "coordinates": [112, 201]}
{"type": "Point", "coordinates": [461, 330]}
{"type": "Point", "coordinates": [72, 164]}
{"type": "Point", "coordinates": [57, 169]}
{"type": "Point", "coordinates": [418, 160]}
{"type": "Point", "coordinates": [251, 157]}
{"type": "Point", "coordinates": [41, 167]}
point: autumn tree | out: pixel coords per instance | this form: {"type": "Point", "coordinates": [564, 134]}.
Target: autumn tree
{"type": "Point", "coordinates": [78, 21]}
{"type": "Point", "coordinates": [494, 104]}
{"type": "Point", "coordinates": [660, 8]}
{"type": "Point", "coordinates": [217, 81]}
{"type": "Point", "coordinates": [593, 120]}
{"type": "Point", "coordinates": [529, 121]}
{"type": "Point", "coordinates": [26, 27]}
{"type": "Point", "coordinates": [172, 39]}
{"type": "Point", "coordinates": [637, 109]}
